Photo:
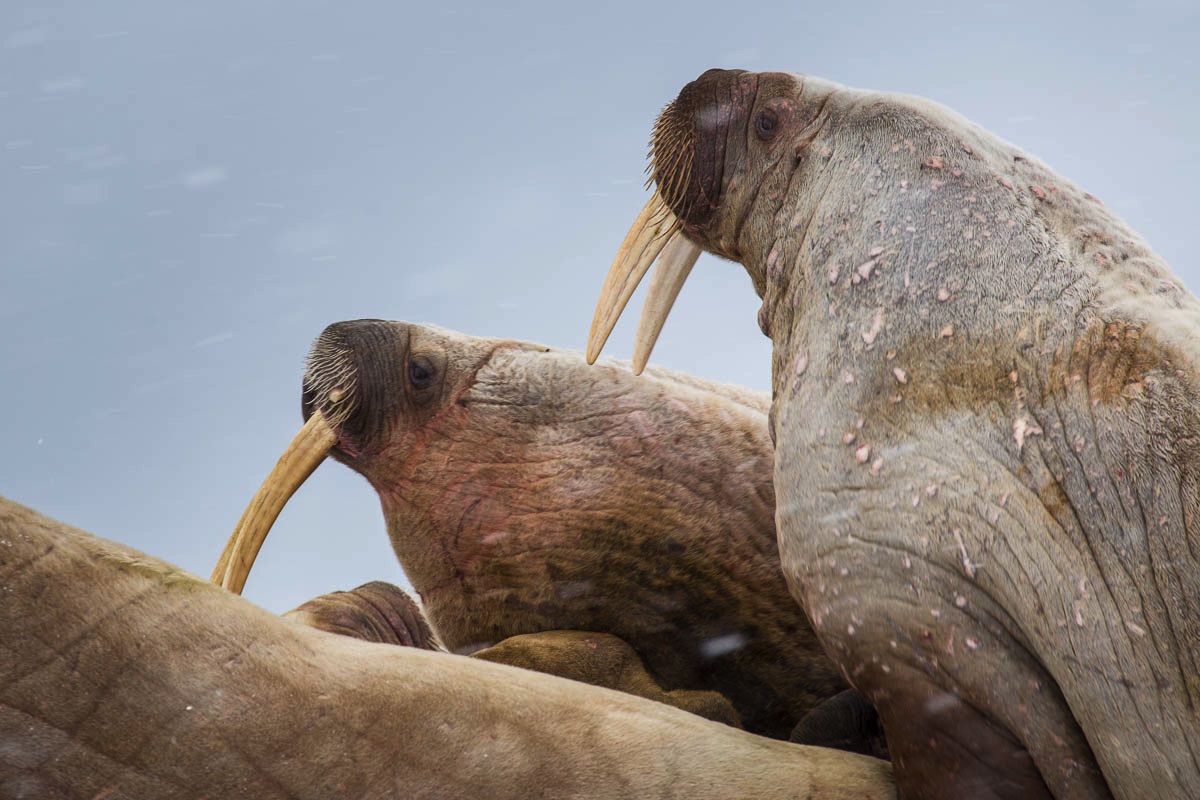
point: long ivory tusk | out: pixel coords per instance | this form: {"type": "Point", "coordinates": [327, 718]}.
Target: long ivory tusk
{"type": "Point", "coordinates": [670, 273]}
{"type": "Point", "coordinates": [654, 227]}
{"type": "Point", "coordinates": [303, 455]}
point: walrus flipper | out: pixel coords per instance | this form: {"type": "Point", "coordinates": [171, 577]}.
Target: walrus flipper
{"type": "Point", "coordinates": [374, 612]}
{"type": "Point", "coordinates": [845, 721]}
{"type": "Point", "coordinates": [603, 660]}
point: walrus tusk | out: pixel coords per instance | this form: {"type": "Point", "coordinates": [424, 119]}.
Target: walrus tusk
{"type": "Point", "coordinates": [672, 270]}
{"type": "Point", "coordinates": [655, 227]}
{"type": "Point", "coordinates": [302, 456]}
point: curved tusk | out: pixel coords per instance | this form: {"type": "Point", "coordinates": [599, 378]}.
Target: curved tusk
{"type": "Point", "coordinates": [654, 227]}
{"type": "Point", "coordinates": [670, 273]}
{"type": "Point", "coordinates": [302, 456]}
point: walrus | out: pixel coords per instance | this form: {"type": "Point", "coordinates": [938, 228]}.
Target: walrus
{"type": "Point", "coordinates": [123, 677]}
{"type": "Point", "coordinates": [987, 420]}
{"type": "Point", "coordinates": [374, 612]}
{"type": "Point", "coordinates": [526, 492]}
{"type": "Point", "coordinates": [384, 613]}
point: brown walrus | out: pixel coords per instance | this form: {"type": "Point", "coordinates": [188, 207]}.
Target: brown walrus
{"type": "Point", "coordinates": [987, 417]}
{"type": "Point", "coordinates": [125, 678]}
{"type": "Point", "coordinates": [374, 612]}
{"type": "Point", "coordinates": [525, 492]}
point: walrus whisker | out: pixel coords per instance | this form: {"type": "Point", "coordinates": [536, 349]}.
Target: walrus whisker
{"type": "Point", "coordinates": [302, 456]}
{"type": "Point", "coordinates": [661, 216]}
{"type": "Point", "coordinates": [678, 176]}
{"type": "Point", "coordinates": [670, 273]}
{"type": "Point", "coordinates": [671, 137]}
{"type": "Point", "coordinates": [653, 229]}
{"type": "Point", "coordinates": [332, 374]}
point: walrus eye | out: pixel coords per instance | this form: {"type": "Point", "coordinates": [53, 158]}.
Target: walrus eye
{"type": "Point", "coordinates": [766, 124]}
{"type": "Point", "coordinates": [420, 373]}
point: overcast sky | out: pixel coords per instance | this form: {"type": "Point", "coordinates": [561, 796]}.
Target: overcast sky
{"type": "Point", "coordinates": [190, 192]}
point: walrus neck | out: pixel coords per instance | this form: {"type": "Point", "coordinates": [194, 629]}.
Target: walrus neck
{"type": "Point", "coordinates": [864, 289]}
{"type": "Point", "coordinates": [490, 560]}
{"type": "Point", "coordinates": [778, 233]}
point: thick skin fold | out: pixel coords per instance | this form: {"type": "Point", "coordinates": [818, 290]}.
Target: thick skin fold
{"type": "Point", "coordinates": [124, 677]}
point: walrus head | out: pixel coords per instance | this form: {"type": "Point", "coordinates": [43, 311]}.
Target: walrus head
{"type": "Point", "coordinates": [687, 148]}
{"type": "Point", "coordinates": [362, 379]}
{"type": "Point", "coordinates": [729, 143]}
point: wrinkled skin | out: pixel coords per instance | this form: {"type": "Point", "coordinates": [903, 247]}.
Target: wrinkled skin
{"type": "Point", "coordinates": [124, 678]}
{"type": "Point", "coordinates": [986, 418]}
{"type": "Point", "coordinates": [525, 492]}
{"type": "Point", "coordinates": [374, 612]}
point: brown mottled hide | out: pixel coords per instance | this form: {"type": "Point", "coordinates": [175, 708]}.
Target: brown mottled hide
{"type": "Point", "coordinates": [124, 678]}
{"type": "Point", "coordinates": [374, 612]}
{"type": "Point", "coordinates": [986, 412]}
{"type": "Point", "coordinates": [602, 660]}
{"type": "Point", "coordinates": [525, 492]}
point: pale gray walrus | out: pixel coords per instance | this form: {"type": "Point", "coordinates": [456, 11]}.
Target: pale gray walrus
{"type": "Point", "coordinates": [986, 423]}
{"type": "Point", "coordinates": [525, 492]}
{"type": "Point", "coordinates": [124, 678]}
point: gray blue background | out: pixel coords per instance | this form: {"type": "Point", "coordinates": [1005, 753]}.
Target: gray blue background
{"type": "Point", "coordinates": [190, 192]}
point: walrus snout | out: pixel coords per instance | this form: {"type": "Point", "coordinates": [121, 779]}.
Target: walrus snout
{"type": "Point", "coordinates": [352, 378]}
{"type": "Point", "coordinates": [687, 148]}
{"type": "Point", "coordinates": [687, 166]}
{"type": "Point", "coordinates": [352, 390]}
{"type": "Point", "coordinates": [725, 149]}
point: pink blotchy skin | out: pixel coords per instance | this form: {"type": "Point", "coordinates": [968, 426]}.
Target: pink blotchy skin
{"type": "Point", "coordinates": [525, 491]}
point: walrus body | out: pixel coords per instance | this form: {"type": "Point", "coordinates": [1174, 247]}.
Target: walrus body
{"type": "Point", "coordinates": [122, 677]}
{"type": "Point", "coordinates": [526, 492]}
{"type": "Point", "coordinates": [987, 422]}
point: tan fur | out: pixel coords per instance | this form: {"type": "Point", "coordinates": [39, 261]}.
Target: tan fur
{"type": "Point", "coordinates": [123, 683]}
